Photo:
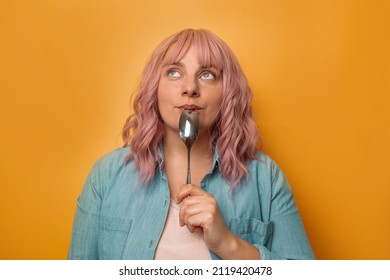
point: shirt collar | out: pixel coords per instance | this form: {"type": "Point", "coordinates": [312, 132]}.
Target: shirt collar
{"type": "Point", "coordinates": [216, 160]}
{"type": "Point", "coordinates": [159, 157]}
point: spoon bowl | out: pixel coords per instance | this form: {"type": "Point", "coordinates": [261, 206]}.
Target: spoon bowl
{"type": "Point", "coordinates": [188, 132]}
{"type": "Point", "coordinates": [188, 127]}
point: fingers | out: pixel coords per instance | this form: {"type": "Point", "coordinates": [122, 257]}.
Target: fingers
{"type": "Point", "coordinates": [198, 222]}
{"type": "Point", "coordinates": [194, 223]}
{"type": "Point", "coordinates": [199, 212]}
{"type": "Point", "coordinates": [189, 190]}
{"type": "Point", "coordinates": [195, 210]}
{"type": "Point", "coordinates": [193, 201]}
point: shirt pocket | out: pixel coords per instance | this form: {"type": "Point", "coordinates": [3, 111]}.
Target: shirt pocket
{"type": "Point", "coordinates": [253, 231]}
{"type": "Point", "coordinates": [113, 233]}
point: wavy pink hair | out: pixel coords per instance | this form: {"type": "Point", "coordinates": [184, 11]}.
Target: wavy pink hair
{"type": "Point", "coordinates": [234, 130]}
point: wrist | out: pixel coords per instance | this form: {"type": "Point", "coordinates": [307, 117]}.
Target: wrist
{"type": "Point", "coordinates": [228, 250]}
{"type": "Point", "coordinates": [235, 248]}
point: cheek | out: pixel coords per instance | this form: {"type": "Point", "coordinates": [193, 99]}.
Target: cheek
{"type": "Point", "coordinates": [165, 107]}
{"type": "Point", "coordinates": [165, 92]}
{"type": "Point", "coordinates": [213, 108]}
{"type": "Point", "coordinates": [216, 100]}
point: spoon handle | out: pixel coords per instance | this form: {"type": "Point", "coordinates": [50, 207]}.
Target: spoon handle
{"type": "Point", "coordinates": [188, 166]}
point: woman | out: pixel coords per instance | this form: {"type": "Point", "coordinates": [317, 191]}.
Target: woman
{"type": "Point", "coordinates": [135, 205]}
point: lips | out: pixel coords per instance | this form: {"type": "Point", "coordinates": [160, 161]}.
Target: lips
{"type": "Point", "coordinates": [190, 107]}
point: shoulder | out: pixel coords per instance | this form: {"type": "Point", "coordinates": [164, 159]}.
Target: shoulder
{"type": "Point", "coordinates": [265, 170]}
{"type": "Point", "coordinates": [110, 164]}
{"type": "Point", "coordinates": [264, 162]}
{"type": "Point", "coordinates": [113, 158]}
{"type": "Point", "coordinates": [102, 176]}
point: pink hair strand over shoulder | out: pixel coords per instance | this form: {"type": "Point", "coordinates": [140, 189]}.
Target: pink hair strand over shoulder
{"type": "Point", "coordinates": [234, 130]}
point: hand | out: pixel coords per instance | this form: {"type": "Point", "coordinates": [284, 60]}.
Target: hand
{"type": "Point", "coordinates": [200, 213]}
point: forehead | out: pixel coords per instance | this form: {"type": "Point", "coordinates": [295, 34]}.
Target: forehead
{"type": "Point", "coordinates": [175, 55]}
{"type": "Point", "coordinates": [205, 57]}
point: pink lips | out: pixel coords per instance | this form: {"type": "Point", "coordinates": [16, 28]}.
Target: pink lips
{"type": "Point", "coordinates": [190, 107]}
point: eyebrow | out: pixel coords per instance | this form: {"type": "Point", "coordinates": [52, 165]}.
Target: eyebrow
{"type": "Point", "coordinates": [179, 64]}
{"type": "Point", "coordinates": [175, 64]}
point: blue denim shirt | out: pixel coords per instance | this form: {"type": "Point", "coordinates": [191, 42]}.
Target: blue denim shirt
{"type": "Point", "coordinates": [118, 218]}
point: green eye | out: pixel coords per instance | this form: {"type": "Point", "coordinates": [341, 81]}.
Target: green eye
{"type": "Point", "coordinates": [173, 73]}
{"type": "Point", "coordinates": [208, 76]}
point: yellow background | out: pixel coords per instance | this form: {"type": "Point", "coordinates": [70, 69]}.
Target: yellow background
{"type": "Point", "coordinates": [320, 72]}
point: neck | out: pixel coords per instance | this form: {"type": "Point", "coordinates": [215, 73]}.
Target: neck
{"type": "Point", "coordinates": [176, 160]}
{"type": "Point", "coordinates": [174, 146]}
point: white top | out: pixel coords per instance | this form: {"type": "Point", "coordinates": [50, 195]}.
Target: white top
{"type": "Point", "coordinates": [178, 243]}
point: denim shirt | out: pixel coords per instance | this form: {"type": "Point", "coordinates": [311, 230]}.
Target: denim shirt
{"type": "Point", "coordinates": [119, 218]}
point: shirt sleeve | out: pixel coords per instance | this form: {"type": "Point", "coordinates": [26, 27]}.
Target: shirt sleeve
{"type": "Point", "coordinates": [289, 239]}
{"type": "Point", "coordinates": [84, 239]}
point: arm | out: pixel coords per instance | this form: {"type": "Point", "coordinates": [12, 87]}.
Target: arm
{"type": "Point", "coordinates": [86, 222]}
{"type": "Point", "coordinates": [289, 239]}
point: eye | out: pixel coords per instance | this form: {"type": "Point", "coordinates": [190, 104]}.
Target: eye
{"type": "Point", "coordinates": [207, 75]}
{"type": "Point", "coordinates": [173, 73]}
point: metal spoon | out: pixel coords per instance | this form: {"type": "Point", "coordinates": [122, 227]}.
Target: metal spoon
{"type": "Point", "coordinates": [188, 131]}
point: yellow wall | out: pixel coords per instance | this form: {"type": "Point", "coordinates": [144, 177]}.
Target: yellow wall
{"type": "Point", "coordinates": [320, 71]}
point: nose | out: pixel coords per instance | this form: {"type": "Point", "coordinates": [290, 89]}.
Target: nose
{"type": "Point", "coordinates": [190, 87]}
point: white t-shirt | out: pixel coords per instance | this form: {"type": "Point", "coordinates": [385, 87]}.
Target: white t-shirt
{"type": "Point", "coordinates": [178, 243]}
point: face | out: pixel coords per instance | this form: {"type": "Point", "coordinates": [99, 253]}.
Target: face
{"type": "Point", "coordinates": [188, 85]}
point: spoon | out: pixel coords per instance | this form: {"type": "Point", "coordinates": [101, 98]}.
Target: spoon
{"type": "Point", "coordinates": [188, 131]}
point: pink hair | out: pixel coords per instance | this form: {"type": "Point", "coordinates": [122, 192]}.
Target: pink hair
{"type": "Point", "coordinates": [234, 130]}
